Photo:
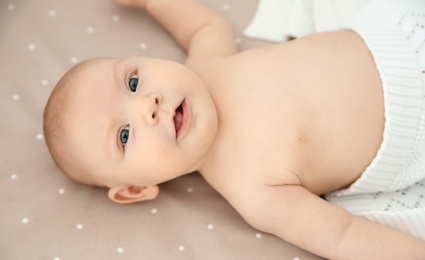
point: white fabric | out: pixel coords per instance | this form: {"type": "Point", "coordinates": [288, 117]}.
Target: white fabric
{"type": "Point", "coordinates": [276, 20]}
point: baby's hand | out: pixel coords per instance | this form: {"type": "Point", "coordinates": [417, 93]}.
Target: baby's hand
{"type": "Point", "coordinates": [132, 3]}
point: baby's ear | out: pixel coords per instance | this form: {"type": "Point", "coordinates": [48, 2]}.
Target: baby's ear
{"type": "Point", "coordinates": [130, 194]}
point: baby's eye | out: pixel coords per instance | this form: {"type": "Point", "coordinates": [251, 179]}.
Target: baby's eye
{"type": "Point", "coordinates": [133, 82]}
{"type": "Point", "coordinates": [124, 135]}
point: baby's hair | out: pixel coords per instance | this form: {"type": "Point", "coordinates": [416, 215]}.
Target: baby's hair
{"type": "Point", "coordinates": [54, 118]}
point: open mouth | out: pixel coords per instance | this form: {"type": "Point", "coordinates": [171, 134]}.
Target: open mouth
{"type": "Point", "coordinates": [180, 118]}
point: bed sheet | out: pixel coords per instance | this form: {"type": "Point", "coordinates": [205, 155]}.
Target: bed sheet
{"type": "Point", "coordinates": [43, 214]}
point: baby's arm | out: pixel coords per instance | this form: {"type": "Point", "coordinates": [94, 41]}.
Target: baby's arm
{"type": "Point", "coordinates": [301, 218]}
{"type": "Point", "coordinates": [198, 30]}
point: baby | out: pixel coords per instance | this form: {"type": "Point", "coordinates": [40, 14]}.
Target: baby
{"type": "Point", "coordinates": [271, 129]}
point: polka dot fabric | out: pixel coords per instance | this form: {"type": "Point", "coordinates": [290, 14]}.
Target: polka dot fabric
{"type": "Point", "coordinates": [44, 215]}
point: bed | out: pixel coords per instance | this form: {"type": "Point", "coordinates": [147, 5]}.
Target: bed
{"type": "Point", "coordinates": [45, 215]}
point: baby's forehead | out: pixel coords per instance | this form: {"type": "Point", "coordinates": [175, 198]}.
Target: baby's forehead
{"type": "Point", "coordinates": [71, 111]}
{"type": "Point", "coordinates": [87, 75]}
{"type": "Point", "coordinates": [86, 68]}
{"type": "Point", "coordinates": [91, 104]}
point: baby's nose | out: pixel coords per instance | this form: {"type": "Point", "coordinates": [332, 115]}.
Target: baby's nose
{"type": "Point", "coordinates": [152, 107]}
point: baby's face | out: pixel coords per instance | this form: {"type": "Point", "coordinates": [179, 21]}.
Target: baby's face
{"type": "Point", "coordinates": [139, 121]}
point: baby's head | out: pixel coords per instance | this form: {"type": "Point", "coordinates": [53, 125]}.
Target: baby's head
{"type": "Point", "coordinates": [129, 124]}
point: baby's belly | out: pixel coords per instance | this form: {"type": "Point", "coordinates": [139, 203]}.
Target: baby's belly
{"type": "Point", "coordinates": [317, 110]}
{"type": "Point", "coordinates": [346, 115]}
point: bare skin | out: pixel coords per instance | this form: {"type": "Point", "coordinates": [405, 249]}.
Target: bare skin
{"type": "Point", "coordinates": [326, 126]}
{"type": "Point", "coordinates": [290, 122]}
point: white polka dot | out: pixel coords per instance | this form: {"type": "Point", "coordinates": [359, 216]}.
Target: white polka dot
{"type": "Point", "coordinates": [190, 189]}
{"type": "Point", "coordinates": [258, 235]}
{"type": "Point", "coordinates": [120, 250]}
{"type": "Point", "coordinates": [61, 191]}
{"type": "Point", "coordinates": [143, 46]}
{"type": "Point", "coordinates": [210, 226]}
{"type": "Point", "coordinates": [25, 220]}
{"type": "Point", "coordinates": [13, 176]}
{"type": "Point", "coordinates": [226, 7]}
{"type": "Point", "coordinates": [115, 18]}
{"type": "Point", "coordinates": [52, 13]}
{"type": "Point", "coordinates": [90, 29]}
{"type": "Point", "coordinates": [56, 258]}
{"type": "Point", "coordinates": [39, 136]}
{"type": "Point", "coordinates": [79, 226]}
{"type": "Point", "coordinates": [296, 258]}
{"type": "Point", "coordinates": [15, 97]}
{"type": "Point", "coordinates": [74, 60]}
{"type": "Point", "coordinates": [31, 46]}
{"type": "Point", "coordinates": [11, 7]}
{"type": "Point", "coordinates": [44, 82]}
{"type": "Point", "coordinates": [154, 211]}
{"type": "Point", "coordinates": [181, 248]}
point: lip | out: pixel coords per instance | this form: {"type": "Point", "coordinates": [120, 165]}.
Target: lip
{"type": "Point", "coordinates": [185, 123]}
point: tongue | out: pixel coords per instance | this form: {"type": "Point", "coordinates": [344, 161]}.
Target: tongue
{"type": "Point", "coordinates": [178, 120]}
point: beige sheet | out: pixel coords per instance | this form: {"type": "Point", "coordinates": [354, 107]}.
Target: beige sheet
{"type": "Point", "coordinates": [44, 215]}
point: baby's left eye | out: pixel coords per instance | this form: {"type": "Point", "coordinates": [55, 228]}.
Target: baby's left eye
{"type": "Point", "coordinates": [124, 135]}
{"type": "Point", "coordinates": [133, 83]}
